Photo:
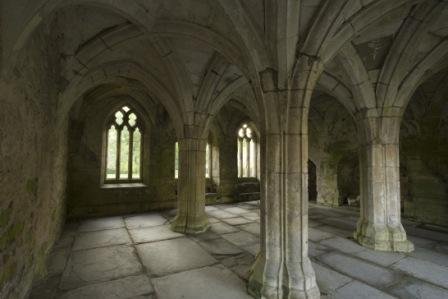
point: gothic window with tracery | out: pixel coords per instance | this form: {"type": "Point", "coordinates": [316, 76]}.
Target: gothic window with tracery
{"type": "Point", "coordinates": [247, 152]}
{"type": "Point", "coordinates": [123, 147]}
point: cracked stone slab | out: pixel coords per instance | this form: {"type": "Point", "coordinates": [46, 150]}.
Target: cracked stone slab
{"type": "Point", "coordinates": [317, 235]}
{"type": "Point", "coordinates": [57, 261]}
{"type": "Point", "coordinates": [236, 220]}
{"type": "Point", "coordinates": [147, 220]}
{"type": "Point", "coordinates": [369, 273]}
{"type": "Point", "coordinates": [236, 210]}
{"type": "Point", "coordinates": [215, 282]}
{"type": "Point", "coordinates": [342, 244]}
{"type": "Point", "coordinates": [416, 289]}
{"type": "Point", "coordinates": [99, 265]}
{"type": "Point", "coordinates": [151, 234]}
{"type": "Point", "coordinates": [101, 238]}
{"type": "Point", "coordinates": [101, 224]}
{"type": "Point", "coordinates": [220, 214]}
{"type": "Point", "coordinates": [328, 279]}
{"type": "Point", "coordinates": [424, 270]}
{"type": "Point", "coordinates": [128, 287]}
{"type": "Point", "coordinates": [220, 247]}
{"type": "Point", "coordinates": [169, 256]}
{"type": "Point", "coordinates": [240, 264]}
{"type": "Point", "coordinates": [356, 289]}
{"type": "Point", "coordinates": [430, 256]}
{"type": "Point", "coordinates": [222, 228]}
{"type": "Point", "coordinates": [382, 258]}
{"type": "Point", "coordinates": [253, 228]}
{"type": "Point", "coordinates": [241, 239]}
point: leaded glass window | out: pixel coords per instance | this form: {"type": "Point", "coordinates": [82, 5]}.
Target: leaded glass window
{"type": "Point", "coordinates": [247, 152]}
{"type": "Point", "coordinates": [123, 147]}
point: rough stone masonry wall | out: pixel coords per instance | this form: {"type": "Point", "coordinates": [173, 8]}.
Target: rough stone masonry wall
{"type": "Point", "coordinates": [87, 196]}
{"type": "Point", "coordinates": [424, 160]}
{"type": "Point", "coordinates": [32, 163]}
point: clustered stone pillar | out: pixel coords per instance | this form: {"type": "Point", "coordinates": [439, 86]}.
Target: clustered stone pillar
{"type": "Point", "coordinates": [379, 226]}
{"type": "Point", "coordinates": [327, 182]}
{"type": "Point", "coordinates": [191, 217]}
{"type": "Point", "coordinates": [283, 268]}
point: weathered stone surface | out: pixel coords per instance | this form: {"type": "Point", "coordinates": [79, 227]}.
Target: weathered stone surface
{"type": "Point", "coordinates": [424, 270]}
{"type": "Point", "coordinates": [241, 239]}
{"type": "Point", "coordinates": [380, 257]}
{"type": "Point", "coordinates": [57, 261]}
{"type": "Point", "coordinates": [236, 220]}
{"type": "Point", "coordinates": [222, 228]}
{"type": "Point", "coordinates": [169, 256]}
{"type": "Point", "coordinates": [210, 282]}
{"type": "Point", "coordinates": [151, 234]}
{"type": "Point", "coordinates": [329, 280]}
{"type": "Point", "coordinates": [342, 244]}
{"type": "Point", "coordinates": [253, 228]}
{"type": "Point", "coordinates": [128, 287]}
{"type": "Point", "coordinates": [101, 224]}
{"type": "Point", "coordinates": [146, 220]}
{"type": "Point", "coordinates": [220, 247]}
{"type": "Point", "coordinates": [358, 289]}
{"type": "Point", "coordinates": [101, 238]}
{"type": "Point", "coordinates": [413, 289]}
{"type": "Point", "coordinates": [98, 265]}
{"type": "Point", "coordinates": [371, 274]}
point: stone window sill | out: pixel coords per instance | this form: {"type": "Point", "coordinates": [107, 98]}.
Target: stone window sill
{"type": "Point", "coordinates": [124, 186]}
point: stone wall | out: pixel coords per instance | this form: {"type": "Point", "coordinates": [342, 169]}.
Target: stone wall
{"type": "Point", "coordinates": [32, 166]}
{"type": "Point", "coordinates": [424, 157]}
{"type": "Point", "coordinates": [87, 195]}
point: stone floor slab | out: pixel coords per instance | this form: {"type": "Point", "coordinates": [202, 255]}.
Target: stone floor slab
{"type": "Point", "coordinates": [253, 228]}
{"type": "Point", "coordinates": [369, 273]}
{"type": "Point", "coordinates": [210, 282]}
{"type": "Point", "coordinates": [220, 214]}
{"type": "Point", "coordinates": [317, 235]}
{"type": "Point", "coordinates": [99, 265]}
{"type": "Point", "coordinates": [236, 210]}
{"type": "Point", "coordinates": [147, 220]}
{"type": "Point", "coordinates": [430, 256]}
{"type": "Point", "coordinates": [222, 228]}
{"type": "Point", "coordinates": [382, 258]}
{"type": "Point", "coordinates": [101, 224]}
{"type": "Point", "coordinates": [151, 234]}
{"type": "Point", "coordinates": [419, 290]}
{"type": "Point", "coordinates": [57, 261]}
{"type": "Point", "coordinates": [101, 238]}
{"type": "Point", "coordinates": [241, 239]}
{"type": "Point", "coordinates": [169, 256]}
{"type": "Point", "coordinates": [128, 287]}
{"type": "Point", "coordinates": [236, 220]}
{"type": "Point", "coordinates": [328, 279]}
{"type": "Point", "coordinates": [359, 290]}
{"type": "Point", "coordinates": [424, 270]}
{"type": "Point", "coordinates": [220, 247]}
{"type": "Point", "coordinates": [342, 244]}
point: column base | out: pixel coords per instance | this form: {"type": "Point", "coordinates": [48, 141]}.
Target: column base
{"type": "Point", "coordinates": [261, 285]}
{"type": "Point", "coordinates": [188, 225]}
{"type": "Point", "coordinates": [383, 238]}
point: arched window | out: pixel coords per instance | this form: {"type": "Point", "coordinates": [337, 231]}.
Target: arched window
{"type": "Point", "coordinates": [123, 147]}
{"type": "Point", "coordinates": [247, 152]}
{"type": "Point", "coordinates": [208, 161]}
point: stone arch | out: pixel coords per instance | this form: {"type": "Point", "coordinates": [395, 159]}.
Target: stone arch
{"type": "Point", "coordinates": [121, 72]}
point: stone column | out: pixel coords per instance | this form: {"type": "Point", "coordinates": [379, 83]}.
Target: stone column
{"type": "Point", "coordinates": [191, 217]}
{"type": "Point", "coordinates": [379, 226]}
{"type": "Point", "coordinates": [283, 268]}
{"type": "Point", "coordinates": [327, 182]}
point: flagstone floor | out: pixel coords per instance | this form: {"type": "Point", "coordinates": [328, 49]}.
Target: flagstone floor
{"type": "Point", "coordinates": [138, 256]}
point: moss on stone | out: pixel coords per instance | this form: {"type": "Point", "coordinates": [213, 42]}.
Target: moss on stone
{"type": "Point", "coordinates": [11, 234]}
{"type": "Point", "coordinates": [32, 185]}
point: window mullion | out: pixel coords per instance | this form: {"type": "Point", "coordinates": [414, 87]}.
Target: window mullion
{"type": "Point", "coordinates": [117, 172]}
{"type": "Point", "coordinates": [131, 153]}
